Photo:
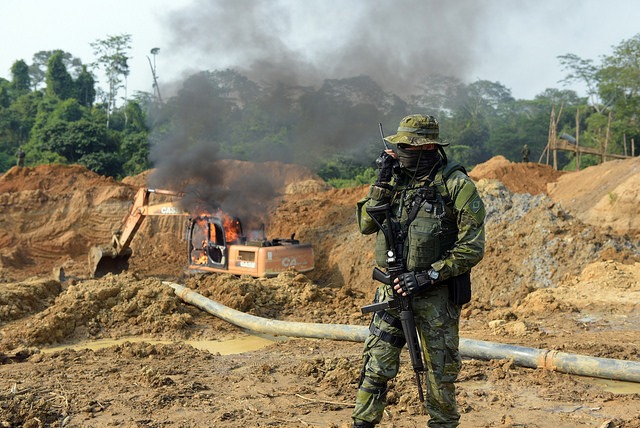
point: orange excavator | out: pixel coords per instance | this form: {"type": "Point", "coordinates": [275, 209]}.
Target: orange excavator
{"type": "Point", "coordinates": [215, 243]}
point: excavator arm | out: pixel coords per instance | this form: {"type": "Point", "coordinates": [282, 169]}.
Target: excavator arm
{"type": "Point", "coordinates": [114, 258]}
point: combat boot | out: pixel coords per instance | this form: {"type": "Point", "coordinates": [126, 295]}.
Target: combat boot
{"type": "Point", "coordinates": [363, 424]}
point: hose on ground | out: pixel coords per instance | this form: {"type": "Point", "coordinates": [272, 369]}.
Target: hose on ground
{"type": "Point", "coordinates": [520, 355]}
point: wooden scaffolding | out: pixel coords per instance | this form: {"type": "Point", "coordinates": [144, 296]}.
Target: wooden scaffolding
{"type": "Point", "coordinates": [571, 144]}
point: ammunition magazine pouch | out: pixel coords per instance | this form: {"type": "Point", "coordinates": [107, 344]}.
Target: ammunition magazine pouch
{"type": "Point", "coordinates": [389, 319]}
{"type": "Point", "coordinates": [460, 289]}
{"type": "Point", "coordinates": [391, 339]}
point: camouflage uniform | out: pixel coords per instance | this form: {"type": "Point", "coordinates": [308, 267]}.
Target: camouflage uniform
{"type": "Point", "coordinates": [20, 155]}
{"type": "Point", "coordinates": [447, 235]}
{"type": "Point", "coordinates": [525, 153]}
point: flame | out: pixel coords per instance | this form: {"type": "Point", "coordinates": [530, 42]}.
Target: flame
{"type": "Point", "coordinates": [202, 260]}
{"type": "Point", "coordinates": [231, 228]}
{"type": "Point", "coordinates": [231, 225]}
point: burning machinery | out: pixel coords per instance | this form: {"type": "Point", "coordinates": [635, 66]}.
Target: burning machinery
{"type": "Point", "coordinates": [215, 243]}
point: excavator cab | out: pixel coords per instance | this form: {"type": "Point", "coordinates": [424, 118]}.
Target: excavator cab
{"type": "Point", "coordinates": [208, 240]}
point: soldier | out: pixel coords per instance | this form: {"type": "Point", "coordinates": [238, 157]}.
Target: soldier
{"type": "Point", "coordinates": [443, 239]}
{"type": "Point", "coordinates": [525, 153]}
{"type": "Point", "coordinates": [20, 157]}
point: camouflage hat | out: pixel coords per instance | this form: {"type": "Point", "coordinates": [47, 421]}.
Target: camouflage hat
{"type": "Point", "coordinates": [416, 130]}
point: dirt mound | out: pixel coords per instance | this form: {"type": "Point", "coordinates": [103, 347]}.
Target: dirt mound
{"type": "Point", "coordinates": [549, 280]}
{"type": "Point", "coordinates": [606, 196]}
{"type": "Point", "coordinates": [548, 242]}
{"type": "Point", "coordinates": [525, 177]}
{"type": "Point", "coordinates": [54, 179]}
{"type": "Point", "coordinates": [27, 298]}
{"type": "Point", "coordinates": [53, 214]}
{"type": "Point", "coordinates": [97, 309]}
{"type": "Point", "coordinates": [307, 186]}
{"type": "Point", "coordinates": [602, 286]}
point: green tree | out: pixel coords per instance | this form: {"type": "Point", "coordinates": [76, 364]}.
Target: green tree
{"type": "Point", "coordinates": [112, 56]}
{"type": "Point", "coordinates": [85, 91]}
{"type": "Point", "coordinates": [103, 162]}
{"type": "Point", "coordinates": [614, 94]}
{"type": "Point", "coordinates": [17, 120]}
{"type": "Point", "coordinates": [619, 82]}
{"type": "Point", "coordinates": [476, 113]}
{"type": "Point", "coordinates": [38, 68]}
{"type": "Point", "coordinates": [20, 77]}
{"type": "Point", "coordinates": [5, 92]}
{"type": "Point", "coordinates": [77, 140]}
{"type": "Point", "coordinates": [134, 148]}
{"type": "Point", "coordinates": [63, 131]}
{"type": "Point", "coordinates": [59, 81]}
{"type": "Point", "coordinates": [582, 71]}
{"type": "Point", "coordinates": [232, 83]}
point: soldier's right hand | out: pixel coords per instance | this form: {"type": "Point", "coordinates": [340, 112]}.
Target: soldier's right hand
{"type": "Point", "coordinates": [385, 164]}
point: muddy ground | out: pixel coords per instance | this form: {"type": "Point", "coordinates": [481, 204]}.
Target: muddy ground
{"type": "Point", "coordinates": [561, 272]}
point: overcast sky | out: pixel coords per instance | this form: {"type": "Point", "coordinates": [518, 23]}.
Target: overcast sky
{"type": "Point", "coordinates": [397, 42]}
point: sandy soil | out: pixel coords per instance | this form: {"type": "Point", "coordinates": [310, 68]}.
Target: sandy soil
{"type": "Point", "coordinates": [561, 272]}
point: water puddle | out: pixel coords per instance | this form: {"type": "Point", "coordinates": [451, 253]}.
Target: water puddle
{"type": "Point", "coordinates": [237, 345]}
{"type": "Point", "coordinates": [617, 386]}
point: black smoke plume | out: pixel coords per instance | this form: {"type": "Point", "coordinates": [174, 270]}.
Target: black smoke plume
{"type": "Point", "coordinates": [310, 44]}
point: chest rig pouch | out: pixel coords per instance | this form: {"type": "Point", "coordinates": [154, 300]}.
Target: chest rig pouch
{"type": "Point", "coordinates": [427, 225]}
{"type": "Point", "coordinates": [425, 232]}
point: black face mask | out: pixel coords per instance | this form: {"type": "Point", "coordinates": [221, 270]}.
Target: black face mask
{"type": "Point", "coordinates": [418, 163]}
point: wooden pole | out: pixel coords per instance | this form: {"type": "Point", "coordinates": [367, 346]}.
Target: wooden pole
{"type": "Point", "coordinates": [577, 139]}
{"type": "Point", "coordinates": [606, 140]}
{"type": "Point", "coordinates": [554, 137]}
{"type": "Point", "coordinates": [550, 136]}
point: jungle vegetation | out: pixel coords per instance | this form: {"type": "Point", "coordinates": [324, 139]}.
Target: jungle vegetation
{"type": "Point", "coordinates": [54, 110]}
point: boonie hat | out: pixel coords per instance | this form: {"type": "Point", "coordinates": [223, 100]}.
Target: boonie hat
{"type": "Point", "coordinates": [417, 130]}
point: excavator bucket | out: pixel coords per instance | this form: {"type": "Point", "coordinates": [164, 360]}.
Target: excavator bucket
{"type": "Point", "coordinates": [104, 260]}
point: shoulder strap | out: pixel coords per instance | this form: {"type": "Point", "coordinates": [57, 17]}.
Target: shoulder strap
{"type": "Point", "coordinates": [420, 197]}
{"type": "Point", "coordinates": [441, 179]}
{"type": "Point", "coordinates": [452, 166]}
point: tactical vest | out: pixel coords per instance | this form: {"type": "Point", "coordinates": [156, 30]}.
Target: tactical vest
{"type": "Point", "coordinates": [434, 230]}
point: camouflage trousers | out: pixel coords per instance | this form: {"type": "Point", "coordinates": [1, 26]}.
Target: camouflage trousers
{"type": "Point", "coordinates": [437, 321]}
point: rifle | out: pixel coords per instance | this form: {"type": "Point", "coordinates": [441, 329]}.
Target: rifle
{"type": "Point", "coordinates": [394, 239]}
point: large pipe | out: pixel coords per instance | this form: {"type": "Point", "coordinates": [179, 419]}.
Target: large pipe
{"type": "Point", "coordinates": [527, 357]}
{"type": "Point", "coordinates": [268, 326]}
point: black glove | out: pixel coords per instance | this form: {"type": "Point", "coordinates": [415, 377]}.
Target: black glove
{"type": "Point", "coordinates": [411, 283]}
{"type": "Point", "coordinates": [385, 165]}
